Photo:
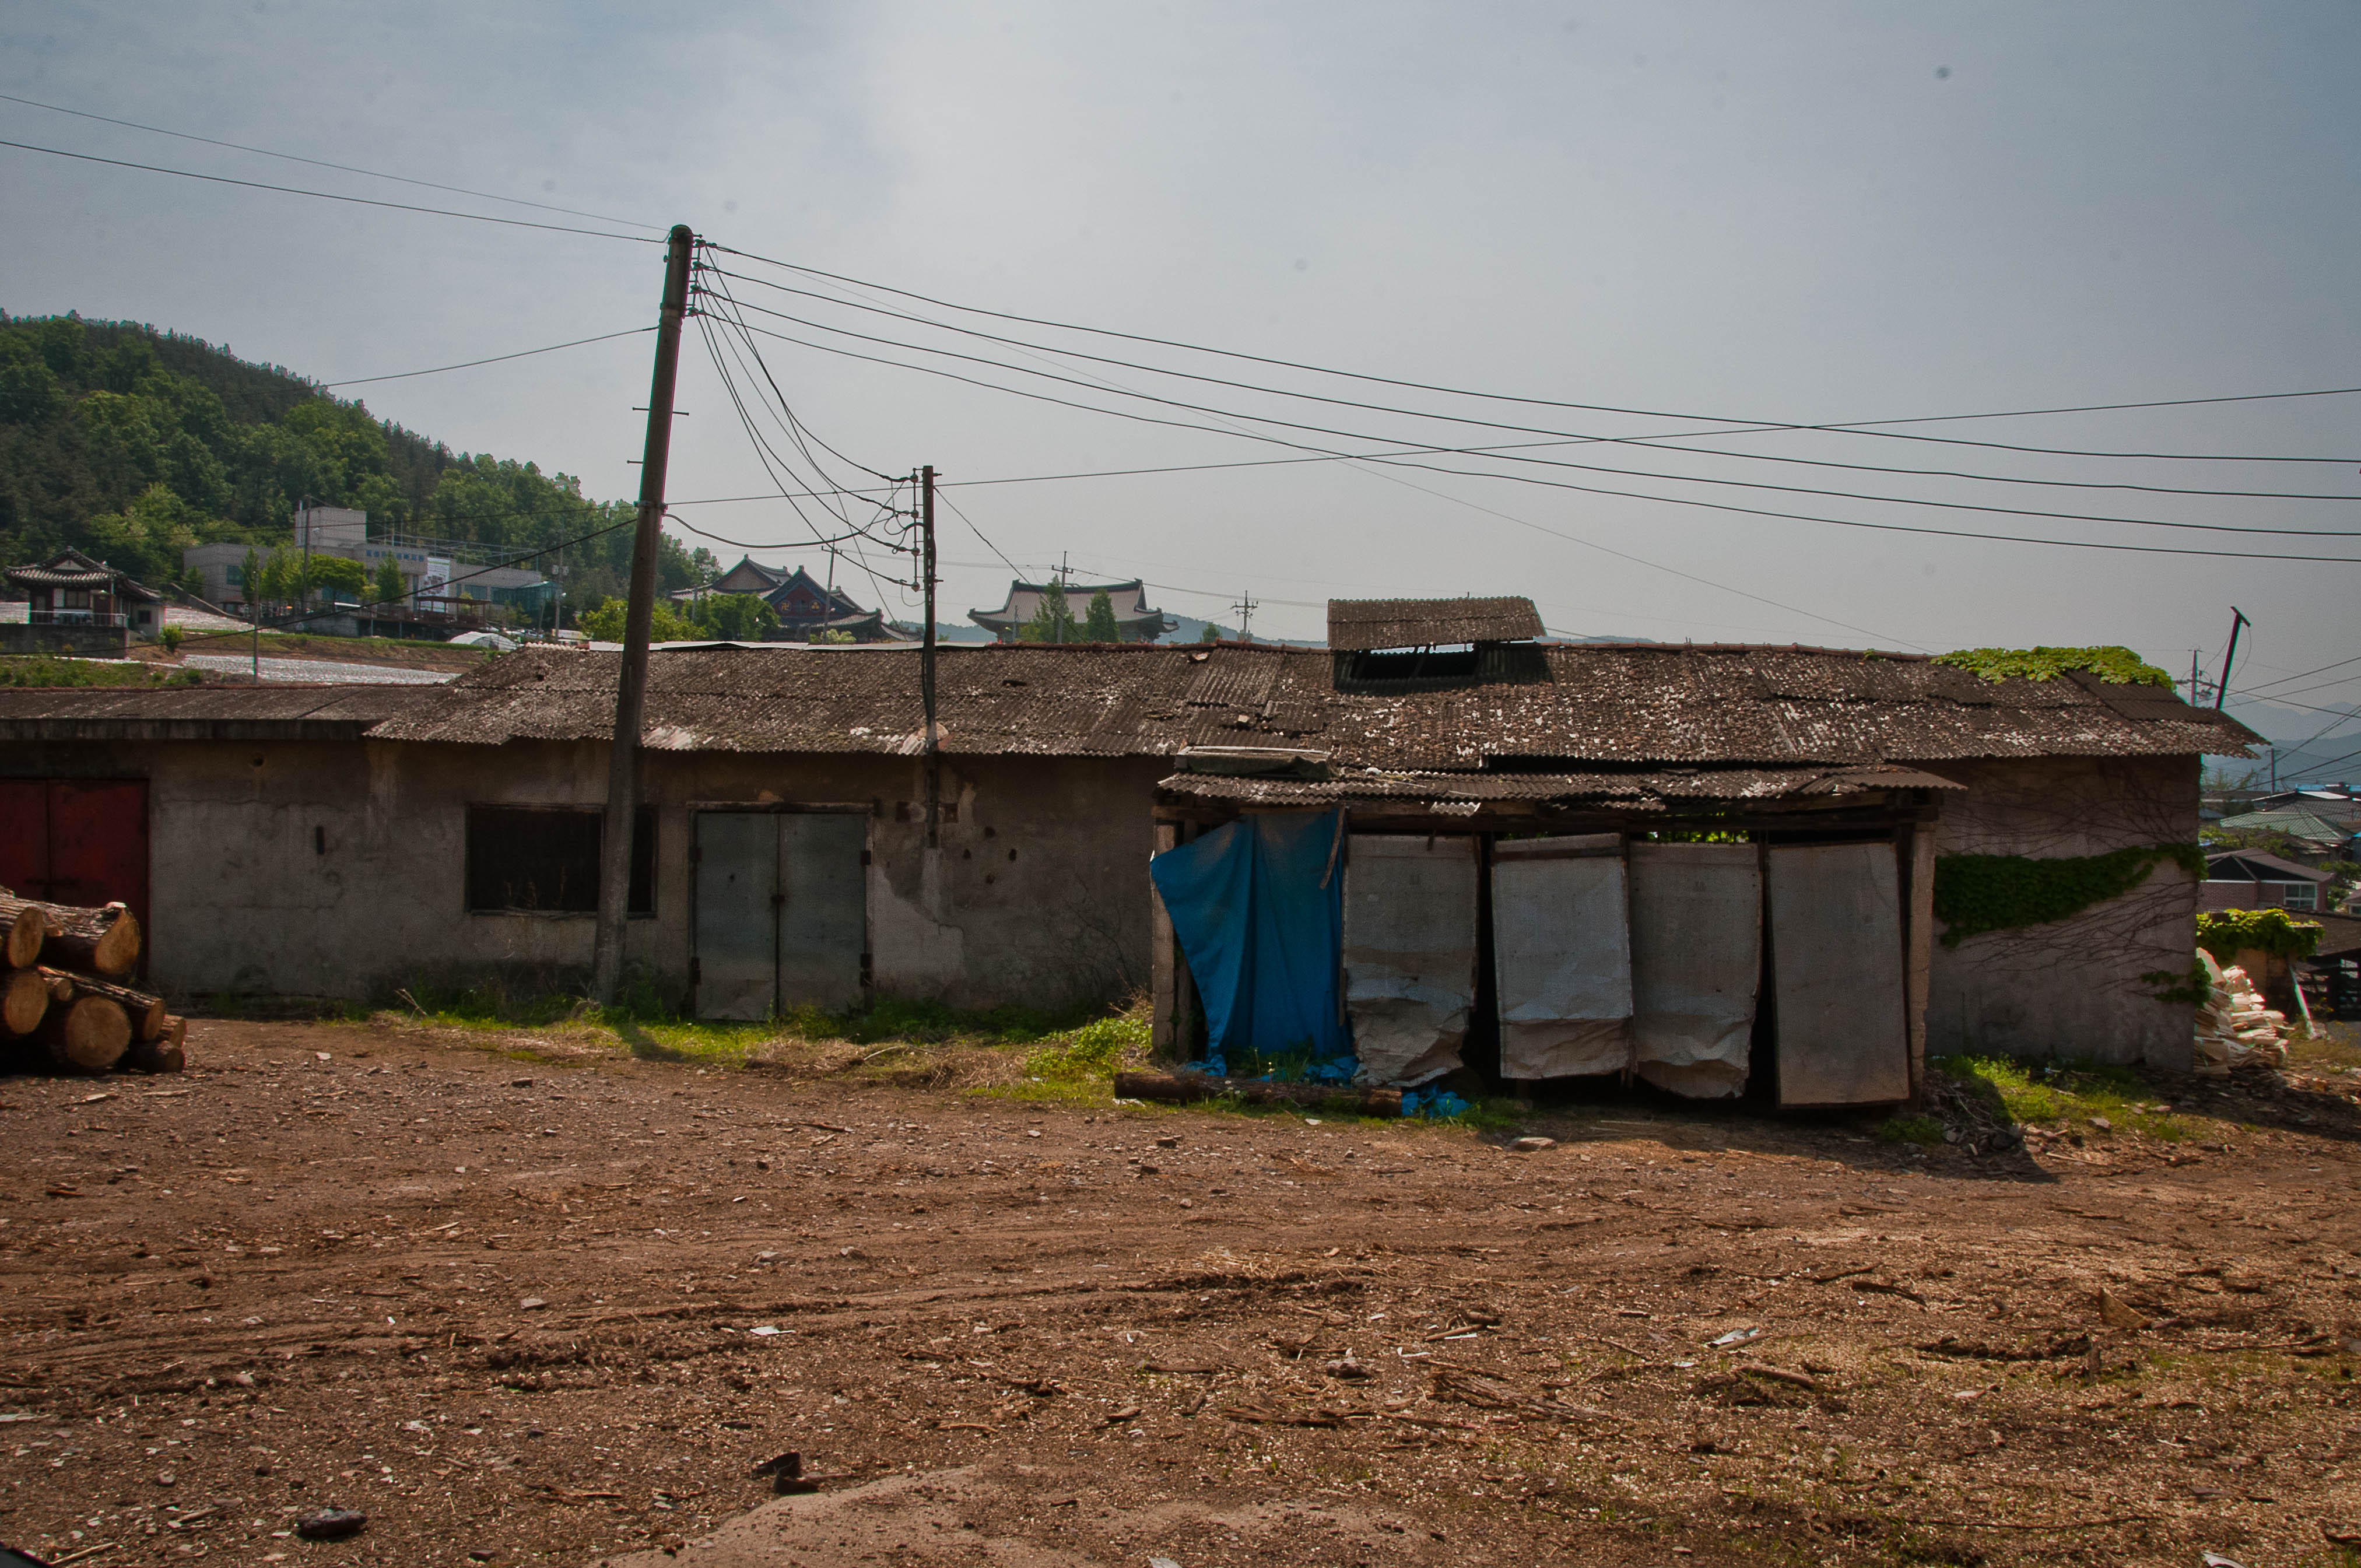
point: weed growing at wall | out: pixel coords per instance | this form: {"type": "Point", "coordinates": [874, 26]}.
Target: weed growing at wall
{"type": "Point", "coordinates": [2119, 665]}
{"type": "Point", "coordinates": [2227, 933]}
{"type": "Point", "coordinates": [1974, 893]}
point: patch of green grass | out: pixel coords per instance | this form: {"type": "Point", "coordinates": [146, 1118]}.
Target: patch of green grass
{"type": "Point", "coordinates": [933, 1023]}
{"type": "Point", "coordinates": [1911, 1130]}
{"type": "Point", "coordinates": [51, 670]}
{"type": "Point", "coordinates": [2069, 1092]}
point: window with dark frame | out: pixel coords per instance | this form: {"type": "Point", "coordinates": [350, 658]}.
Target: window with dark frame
{"type": "Point", "coordinates": [544, 859]}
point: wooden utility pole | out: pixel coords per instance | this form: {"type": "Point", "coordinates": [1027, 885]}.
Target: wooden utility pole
{"type": "Point", "coordinates": [2221, 689]}
{"type": "Point", "coordinates": [927, 654]}
{"type": "Point", "coordinates": [631, 681]}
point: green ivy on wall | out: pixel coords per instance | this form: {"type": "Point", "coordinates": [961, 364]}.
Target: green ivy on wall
{"type": "Point", "coordinates": [2119, 665]}
{"type": "Point", "coordinates": [1974, 893]}
{"type": "Point", "coordinates": [2227, 933]}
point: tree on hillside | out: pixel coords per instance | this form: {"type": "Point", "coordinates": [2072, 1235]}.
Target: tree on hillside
{"type": "Point", "coordinates": [144, 537]}
{"type": "Point", "coordinates": [338, 580]}
{"type": "Point", "coordinates": [275, 584]}
{"type": "Point", "coordinates": [1210, 634]}
{"type": "Point", "coordinates": [605, 623]}
{"type": "Point", "coordinates": [96, 415]}
{"type": "Point", "coordinates": [738, 618]}
{"type": "Point", "coordinates": [1053, 621]}
{"type": "Point", "coordinates": [1098, 624]}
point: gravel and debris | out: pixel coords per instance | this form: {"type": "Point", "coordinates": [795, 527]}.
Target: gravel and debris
{"type": "Point", "coordinates": [584, 1315]}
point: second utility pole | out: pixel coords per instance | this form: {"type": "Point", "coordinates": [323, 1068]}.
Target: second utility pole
{"type": "Point", "coordinates": [632, 680]}
{"type": "Point", "coordinates": [927, 654]}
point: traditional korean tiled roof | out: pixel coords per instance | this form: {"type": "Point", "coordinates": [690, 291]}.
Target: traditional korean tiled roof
{"type": "Point", "coordinates": [71, 568]}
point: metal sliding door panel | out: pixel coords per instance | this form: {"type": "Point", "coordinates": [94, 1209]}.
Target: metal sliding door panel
{"type": "Point", "coordinates": [737, 914]}
{"type": "Point", "coordinates": [824, 924]}
{"type": "Point", "coordinates": [1696, 960]}
{"type": "Point", "coordinates": [1562, 956]}
{"type": "Point", "coordinates": [1836, 967]}
{"type": "Point", "coordinates": [1410, 953]}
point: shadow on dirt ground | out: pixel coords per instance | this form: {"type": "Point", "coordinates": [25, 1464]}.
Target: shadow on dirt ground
{"type": "Point", "coordinates": [524, 1301]}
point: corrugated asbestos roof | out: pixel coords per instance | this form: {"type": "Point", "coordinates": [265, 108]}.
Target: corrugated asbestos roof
{"type": "Point", "coordinates": [1639, 788]}
{"type": "Point", "coordinates": [1357, 625]}
{"type": "Point", "coordinates": [1603, 703]}
{"type": "Point", "coordinates": [281, 712]}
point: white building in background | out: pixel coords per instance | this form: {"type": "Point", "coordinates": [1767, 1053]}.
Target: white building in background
{"type": "Point", "coordinates": [430, 582]}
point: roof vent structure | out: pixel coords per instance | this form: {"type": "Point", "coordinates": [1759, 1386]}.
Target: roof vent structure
{"type": "Point", "coordinates": [1407, 645]}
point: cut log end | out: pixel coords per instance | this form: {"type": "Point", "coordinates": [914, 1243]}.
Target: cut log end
{"type": "Point", "coordinates": [103, 940]}
{"type": "Point", "coordinates": [26, 931]}
{"type": "Point", "coordinates": [23, 1001]}
{"type": "Point", "coordinates": [88, 1035]}
{"type": "Point", "coordinates": [156, 1056]}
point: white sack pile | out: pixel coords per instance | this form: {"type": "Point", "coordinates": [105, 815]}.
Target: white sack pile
{"type": "Point", "coordinates": [2233, 1027]}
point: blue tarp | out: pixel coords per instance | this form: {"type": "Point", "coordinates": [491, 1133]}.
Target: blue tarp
{"type": "Point", "coordinates": [1264, 935]}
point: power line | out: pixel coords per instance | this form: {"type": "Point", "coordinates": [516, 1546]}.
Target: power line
{"type": "Point", "coordinates": [495, 359]}
{"type": "Point", "coordinates": [971, 528]}
{"type": "Point", "coordinates": [1860, 427]}
{"type": "Point", "coordinates": [325, 196]}
{"type": "Point", "coordinates": [1506, 455]}
{"type": "Point", "coordinates": [2300, 674]}
{"type": "Point", "coordinates": [1660, 441]}
{"type": "Point", "coordinates": [768, 455]}
{"type": "Point", "coordinates": [323, 163]}
{"type": "Point", "coordinates": [1564, 485]}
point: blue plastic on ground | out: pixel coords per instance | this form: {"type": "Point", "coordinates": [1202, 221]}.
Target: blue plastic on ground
{"type": "Point", "coordinates": [1436, 1102]}
{"type": "Point", "coordinates": [1339, 1070]}
{"type": "Point", "coordinates": [1258, 905]}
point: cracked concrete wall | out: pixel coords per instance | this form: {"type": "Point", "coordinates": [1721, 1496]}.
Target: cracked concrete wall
{"type": "Point", "coordinates": [338, 868]}
{"type": "Point", "coordinates": [2071, 987]}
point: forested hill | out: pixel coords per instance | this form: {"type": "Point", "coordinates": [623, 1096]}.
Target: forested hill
{"type": "Point", "coordinates": [132, 444]}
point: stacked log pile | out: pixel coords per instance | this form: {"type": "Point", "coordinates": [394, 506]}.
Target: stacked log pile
{"type": "Point", "coordinates": [61, 993]}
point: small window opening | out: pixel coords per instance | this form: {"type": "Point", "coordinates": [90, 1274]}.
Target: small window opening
{"type": "Point", "coordinates": [544, 859]}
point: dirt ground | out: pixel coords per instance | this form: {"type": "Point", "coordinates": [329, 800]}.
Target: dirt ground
{"type": "Point", "coordinates": [557, 1309]}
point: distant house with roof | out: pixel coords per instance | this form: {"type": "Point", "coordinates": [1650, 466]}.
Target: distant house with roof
{"type": "Point", "coordinates": [1135, 618]}
{"type": "Point", "coordinates": [805, 606]}
{"type": "Point", "coordinates": [2249, 879]}
{"type": "Point", "coordinates": [77, 603]}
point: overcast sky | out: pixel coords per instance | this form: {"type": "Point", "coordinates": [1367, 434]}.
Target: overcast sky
{"type": "Point", "coordinates": [1794, 214]}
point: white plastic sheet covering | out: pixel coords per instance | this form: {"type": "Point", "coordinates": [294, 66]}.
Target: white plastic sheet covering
{"type": "Point", "coordinates": [1562, 955]}
{"type": "Point", "coordinates": [1697, 962]}
{"type": "Point", "coordinates": [1410, 953]}
{"type": "Point", "coordinates": [1836, 975]}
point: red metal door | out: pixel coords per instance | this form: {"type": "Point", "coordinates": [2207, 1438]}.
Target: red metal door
{"type": "Point", "coordinates": [98, 843]}
{"type": "Point", "coordinates": [25, 837]}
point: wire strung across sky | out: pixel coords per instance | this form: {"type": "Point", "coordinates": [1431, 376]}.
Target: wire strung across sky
{"type": "Point", "coordinates": [1505, 453]}
{"type": "Point", "coordinates": [1662, 441]}
{"type": "Point", "coordinates": [328, 195]}
{"type": "Point", "coordinates": [1848, 427]}
{"type": "Point", "coordinates": [323, 163]}
{"type": "Point", "coordinates": [495, 359]}
{"type": "Point", "coordinates": [760, 389]}
{"type": "Point", "coordinates": [1560, 484]}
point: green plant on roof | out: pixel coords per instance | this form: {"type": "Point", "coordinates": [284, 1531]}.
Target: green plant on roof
{"type": "Point", "coordinates": [2119, 667]}
{"type": "Point", "coordinates": [2227, 933]}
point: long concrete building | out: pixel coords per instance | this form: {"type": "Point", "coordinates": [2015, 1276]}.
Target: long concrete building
{"type": "Point", "coordinates": [341, 842]}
